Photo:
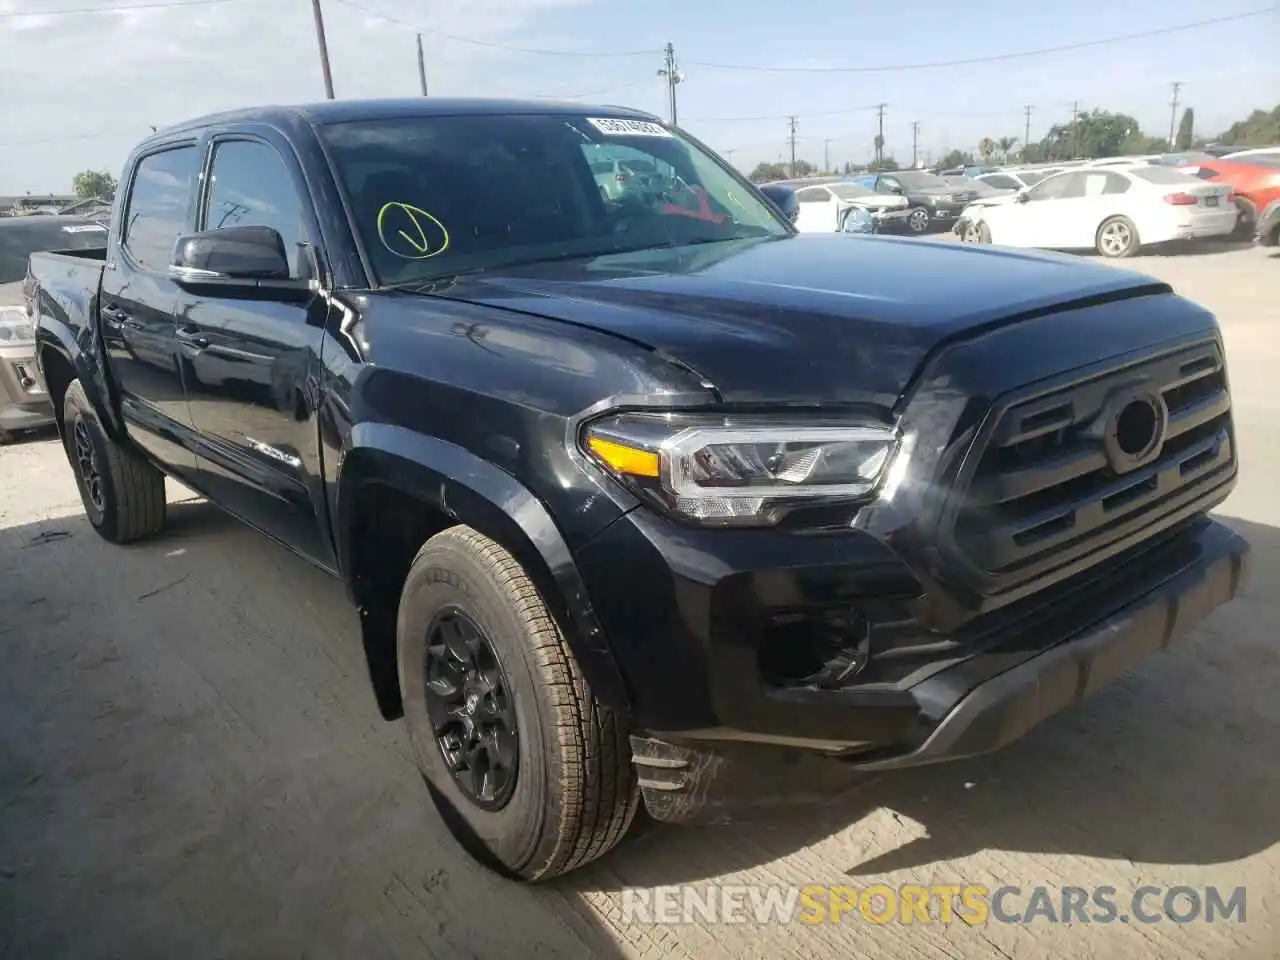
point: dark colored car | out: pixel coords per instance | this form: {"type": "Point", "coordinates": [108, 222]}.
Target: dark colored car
{"type": "Point", "coordinates": [640, 501]}
{"type": "Point", "coordinates": [932, 198]}
{"type": "Point", "coordinates": [23, 402]}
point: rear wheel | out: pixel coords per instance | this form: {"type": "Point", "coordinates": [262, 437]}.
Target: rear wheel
{"type": "Point", "coordinates": [918, 220]}
{"type": "Point", "coordinates": [1117, 238]}
{"type": "Point", "coordinates": [982, 233]}
{"type": "Point", "coordinates": [530, 773]}
{"type": "Point", "coordinates": [123, 495]}
{"type": "Point", "coordinates": [1246, 218]}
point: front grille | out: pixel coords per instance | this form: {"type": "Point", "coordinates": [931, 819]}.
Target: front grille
{"type": "Point", "coordinates": [1044, 493]}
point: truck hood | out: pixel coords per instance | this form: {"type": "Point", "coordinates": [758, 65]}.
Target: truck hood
{"type": "Point", "coordinates": [818, 318]}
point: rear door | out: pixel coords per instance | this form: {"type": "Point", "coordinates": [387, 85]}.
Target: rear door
{"type": "Point", "coordinates": [253, 364]}
{"type": "Point", "coordinates": [138, 302]}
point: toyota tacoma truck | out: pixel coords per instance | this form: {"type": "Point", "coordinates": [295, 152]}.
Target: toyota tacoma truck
{"type": "Point", "coordinates": [645, 499]}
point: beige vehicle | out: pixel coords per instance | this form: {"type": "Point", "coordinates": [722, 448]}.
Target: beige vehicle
{"type": "Point", "coordinates": [24, 405]}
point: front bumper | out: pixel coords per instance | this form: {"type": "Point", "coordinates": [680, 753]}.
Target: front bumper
{"type": "Point", "coordinates": [713, 740]}
{"type": "Point", "coordinates": [24, 404]}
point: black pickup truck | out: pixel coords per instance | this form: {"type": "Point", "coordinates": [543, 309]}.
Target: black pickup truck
{"type": "Point", "coordinates": [643, 497]}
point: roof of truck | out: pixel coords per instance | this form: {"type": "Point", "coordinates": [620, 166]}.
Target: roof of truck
{"type": "Point", "coordinates": [342, 111]}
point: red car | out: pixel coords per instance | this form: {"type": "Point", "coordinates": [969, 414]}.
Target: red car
{"type": "Point", "coordinates": [1255, 186]}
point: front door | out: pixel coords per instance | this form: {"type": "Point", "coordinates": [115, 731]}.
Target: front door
{"type": "Point", "coordinates": [819, 210]}
{"type": "Point", "coordinates": [251, 365]}
{"type": "Point", "coordinates": [138, 302]}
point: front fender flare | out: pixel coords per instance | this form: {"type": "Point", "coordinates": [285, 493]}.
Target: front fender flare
{"type": "Point", "coordinates": [474, 492]}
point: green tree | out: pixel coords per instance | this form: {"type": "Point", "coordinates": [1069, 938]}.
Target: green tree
{"type": "Point", "coordinates": [1261, 129]}
{"type": "Point", "coordinates": [94, 183]}
{"type": "Point", "coordinates": [1095, 134]}
{"type": "Point", "coordinates": [1006, 144]}
{"type": "Point", "coordinates": [764, 172]}
{"type": "Point", "coordinates": [955, 158]}
{"type": "Point", "coordinates": [1186, 130]}
{"type": "Point", "coordinates": [986, 149]}
{"type": "Point", "coordinates": [884, 166]}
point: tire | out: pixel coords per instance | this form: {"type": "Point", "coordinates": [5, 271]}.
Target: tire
{"type": "Point", "coordinates": [1246, 219]}
{"type": "Point", "coordinates": [572, 793]}
{"type": "Point", "coordinates": [918, 221]}
{"type": "Point", "coordinates": [123, 495]}
{"type": "Point", "coordinates": [1117, 238]}
{"type": "Point", "coordinates": [982, 233]}
{"type": "Point", "coordinates": [5, 437]}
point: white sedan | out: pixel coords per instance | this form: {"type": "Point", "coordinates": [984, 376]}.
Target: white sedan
{"type": "Point", "coordinates": [1115, 211]}
{"type": "Point", "coordinates": [823, 207]}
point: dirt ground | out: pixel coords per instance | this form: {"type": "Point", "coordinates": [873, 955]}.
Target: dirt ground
{"type": "Point", "coordinates": [191, 763]}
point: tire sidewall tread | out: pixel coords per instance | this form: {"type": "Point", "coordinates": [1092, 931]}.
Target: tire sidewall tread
{"type": "Point", "coordinates": [575, 792]}
{"type": "Point", "coordinates": [133, 490]}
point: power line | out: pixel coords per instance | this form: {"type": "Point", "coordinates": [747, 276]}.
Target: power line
{"type": "Point", "coordinates": [115, 8]}
{"type": "Point", "coordinates": [489, 43]}
{"type": "Point", "coordinates": [994, 58]}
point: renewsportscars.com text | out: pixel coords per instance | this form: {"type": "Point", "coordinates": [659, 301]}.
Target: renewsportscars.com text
{"type": "Point", "coordinates": [971, 904]}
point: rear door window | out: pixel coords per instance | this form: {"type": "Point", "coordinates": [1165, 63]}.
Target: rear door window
{"type": "Point", "coordinates": [158, 201]}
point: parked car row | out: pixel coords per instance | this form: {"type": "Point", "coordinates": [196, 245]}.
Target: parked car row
{"type": "Point", "coordinates": [24, 404]}
{"type": "Point", "coordinates": [1115, 210]}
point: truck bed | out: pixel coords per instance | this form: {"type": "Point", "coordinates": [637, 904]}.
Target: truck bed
{"type": "Point", "coordinates": [62, 288]}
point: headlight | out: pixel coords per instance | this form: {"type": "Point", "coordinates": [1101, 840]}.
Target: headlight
{"type": "Point", "coordinates": [15, 329]}
{"type": "Point", "coordinates": [746, 471]}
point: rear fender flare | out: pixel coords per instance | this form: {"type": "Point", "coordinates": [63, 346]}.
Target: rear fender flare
{"type": "Point", "coordinates": [55, 338]}
{"type": "Point", "coordinates": [472, 491]}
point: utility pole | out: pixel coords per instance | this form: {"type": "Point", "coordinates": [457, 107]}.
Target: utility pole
{"type": "Point", "coordinates": [324, 49]}
{"type": "Point", "coordinates": [915, 144]}
{"type": "Point", "coordinates": [791, 127]}
{"type": "Point", "coordinates": [880, 134]}
{"type": "Point", "coordinates": [671, 73]}
{"type": "Point", "coordinates": [826, 155]}
{"type": "Point", "coordinates": [422, 67]}
{"type": "Point", "coordinates": [1173, 113]}
{"type": "Point", "coordinates": [1026, 132]}
{"type": "Point", "coordinates": [1075, 129]}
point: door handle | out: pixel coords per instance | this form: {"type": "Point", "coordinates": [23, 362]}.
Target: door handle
{"type": "Point", "coordinates": [115, 317]}
{"type": "Point", "coordinates": [192, 337]}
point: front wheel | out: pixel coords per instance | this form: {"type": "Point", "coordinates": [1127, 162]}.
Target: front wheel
{"type": "Point", "coordinates": [532, 775]}
{"type": "Point", "coordinates": [1117, 238]}
{"type": "Point", "coordinates": [918, 220]}
{"type": "Point", "coordinates": [123, 495]}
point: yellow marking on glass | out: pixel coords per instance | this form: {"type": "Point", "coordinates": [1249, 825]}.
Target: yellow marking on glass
{"type": "Point", "coordinates": [624, 459]}
{"type": "Point", "coordinates": [416, 237]}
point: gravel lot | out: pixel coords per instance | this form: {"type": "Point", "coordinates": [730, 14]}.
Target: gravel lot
{"type": "Point", "coordinates": [191, 763]}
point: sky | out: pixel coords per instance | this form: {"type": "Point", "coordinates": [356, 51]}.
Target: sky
{"type": "Point", "coordinates": [78, 90]}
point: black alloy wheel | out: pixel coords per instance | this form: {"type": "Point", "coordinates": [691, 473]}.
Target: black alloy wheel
{"type": "Point", "coordinates": [471, 711]}
{"type": "Point", "coordinates": [87, 464]}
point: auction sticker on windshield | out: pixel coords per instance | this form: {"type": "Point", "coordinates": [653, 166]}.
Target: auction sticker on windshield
{"type": "Point", "coordinates": [621, 127]}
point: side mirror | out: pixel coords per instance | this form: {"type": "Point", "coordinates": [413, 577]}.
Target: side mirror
{"type": "Point", "coordinates": [248, 262]}
{"type": "Point", "coordinates": [784, 198]}
{"type": "Point", "coordinates": [1020, 196]}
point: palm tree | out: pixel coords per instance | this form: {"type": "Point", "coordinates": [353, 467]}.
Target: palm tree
{"type": "Point", "coordinates": [1006, 144]}
{"type": "Point", "coordinates": [987, 148]}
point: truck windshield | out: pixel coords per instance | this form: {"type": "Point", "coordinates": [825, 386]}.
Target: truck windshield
{"type": "Point", "coordinates": [434, 196]}
{"type": "Point", "coordinates": [21, 237]}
